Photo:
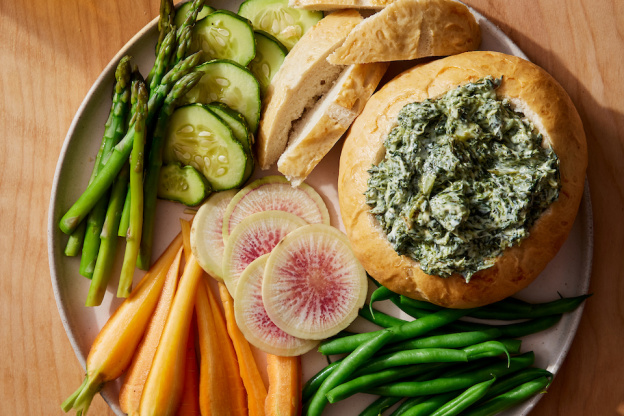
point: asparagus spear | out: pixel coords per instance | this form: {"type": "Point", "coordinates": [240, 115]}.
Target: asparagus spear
{"type": "Point", "coordinates": [100, 184]}
{"type": "Point", "coordinates": [108, 237]}
{"type": "Point", "coordinates": [164, 56]}
{"type": "Point", "coordinates": [158, 95]}
{"type": "Point", "coordinates": [133, 238]}
{"type": "Point", "coordinates": [113, 131]}
{"type": "Point", "coordinates": [184, 32]}
{"type": "Point", "coordinates": [155, 162]}
{"type": "Point", "coordinates": [165, 21]}
{"type": "Point", "coordinates": [125, 217]}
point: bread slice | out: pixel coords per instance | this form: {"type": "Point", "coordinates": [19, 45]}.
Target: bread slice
{"type": "Point", "coordinates": [411, 29]}
{"type": "Point", "coordinates": [304, 76]}
{"type": "Point", "coordinates": [314, 135]}
{"type": "Point", "coordinates": [326, 5]}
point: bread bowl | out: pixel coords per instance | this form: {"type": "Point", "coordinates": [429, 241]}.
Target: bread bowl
{"type": "Point", "coordinates": [530, 90]}
{"type": "Point", "coordinates": [410, 29]}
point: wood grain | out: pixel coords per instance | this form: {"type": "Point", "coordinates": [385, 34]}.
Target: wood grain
{"type": "Point", "coordinates": [53, 50]}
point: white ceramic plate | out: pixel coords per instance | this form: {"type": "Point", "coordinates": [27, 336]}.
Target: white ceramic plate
{"type": "Point", "coordinates": [568, 274]}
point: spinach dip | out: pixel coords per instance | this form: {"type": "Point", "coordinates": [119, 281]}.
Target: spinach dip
{"type": "Point", "coordinates": [463, 178]}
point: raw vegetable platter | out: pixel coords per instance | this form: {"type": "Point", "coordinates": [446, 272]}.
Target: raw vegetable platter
{"type": "Point", "coordinates": [568, 274]}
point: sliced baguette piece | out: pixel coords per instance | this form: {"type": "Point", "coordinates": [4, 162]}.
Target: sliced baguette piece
{"type": "Point", "coordinates": [411, 29]}
{"type": "Point", "coordinates": [328, 5]}
{"type": "Point", "coordinates": [314, 135]}
{"type": "Point", "coordinates": [304, 76]}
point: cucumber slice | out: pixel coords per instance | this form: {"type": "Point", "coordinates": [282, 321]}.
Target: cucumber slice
{"type": "Point", "coordinates": [197, 137]}
{"type": "Point", "coordinates": [182, 184]}
{"type": "Point", "coordinates": [183, 10]}
{"type": "Point", "coordinates": [237, 123]}
{"type": "Point", "coordinates": [224, 35]}
{"type": "Point", "coordinates": [275, 17]}
{"type": "Point", "coordinates": [270, 54]}
{"type": "Point", "coordinates": [232, 84]}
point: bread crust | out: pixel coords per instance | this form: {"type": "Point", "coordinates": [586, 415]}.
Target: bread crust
{"type": "Point", "coordinates": [532, 91]}
{"type": "Point", "coordinates": [304, 74]}
{"type": "Point", "coordinates": [410, 29]}
{"type": "Point", "coordinates": [302, 155]}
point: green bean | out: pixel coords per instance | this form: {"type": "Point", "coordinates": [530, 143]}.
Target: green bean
{"type": "Point", "coordinates": [537, 310]}
{"type": "Point", "coordinates": [313, 384]}
{"type": "Point", "coordinates": [377, 340]}
{"type": "Point", "coordinates": [401, 332]}
{"type": "Point", "coordinates": [462, 381]}
{"type": "Point", "coordinates": [453, 340]}
{"type": "Point", "coordinates": [419, 304]}
{"type": "Point", "coordinates": [514, 380]}
{"type": "Point", "coordinates": [510, 398]}
{"type": "Point", "coordinates": [425, 407]}
{"type": "Point", "coordinates": [364, 381]}
{"type": "Point", "coordinates": [381, 293]}
{"type": "Point", "coordinates": [461, 402]}
{"type": "Point", "coordinates": [410, 357]}
{"type": "Point", "coordinates": [346, 368]}
{"type": "Point", "coordinates": [380, 318]}
{"type": "Point", "coordinates": [486, 349]}
{"type": "Point", "coordinates": [529, 327]}
{"type": "Point", "coordinates": [379, 405]}
{"type": "Point", "coordinates": [408, 404]}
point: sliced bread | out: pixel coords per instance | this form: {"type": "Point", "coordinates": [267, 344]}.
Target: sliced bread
{"type": "Point", "coordinates": [313, 136]}
{"type": "Point", "coordinates": [326, 5]}
{"type": "Point", "coordinates": [304, 76]}
{"type": "Point", "coordinates": [411, 29]}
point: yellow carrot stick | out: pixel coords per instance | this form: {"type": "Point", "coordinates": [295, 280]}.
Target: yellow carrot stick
{"type": "Point", "coordinates": [284, 397]}
{"type": "Point", "coordinates": [113, 348]}
{"type": "Point", "coordinates": [216, 396]}
{"type": "Point", "coordinates": [132, 387]}
{"type": "Point", "coordinates": [186, 237]}
{"type": "Point", "coordinates": [190, 397]}
{"type": "Point", "coordinates": [256, 390]}
{"type": "Point", "coordinates": [163, 388]}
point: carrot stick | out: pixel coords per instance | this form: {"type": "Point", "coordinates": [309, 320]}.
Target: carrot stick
{"type": "Point", "coordinates": [256, 390]}
{"type": "Point", "coordinates": [229, 354]}
{"type": "Point", "coordinates": [190, 396]}
{"type": "Point", "coordinates": [284, 397]}
{"type": "Point", "coordinates": [163, 388]}
{"type": "Point", "coordinates": [132, 387]}
{"type": "Point", "coordinates": [113, 348]}
{"type": "Point", "coordinates": [217, 396]}
{"type": "Point", "coordinates": [186, 237]}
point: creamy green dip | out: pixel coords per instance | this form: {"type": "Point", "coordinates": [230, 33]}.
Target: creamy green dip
{"type": "Point", "coordinates": [464, 177]}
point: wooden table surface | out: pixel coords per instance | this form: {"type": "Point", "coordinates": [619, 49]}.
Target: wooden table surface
{"type": "Point", "coordinates": [53, 50]}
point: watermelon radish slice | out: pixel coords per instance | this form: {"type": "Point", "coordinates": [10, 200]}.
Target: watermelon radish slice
{"type": "Point", "coordinates": [313, 285]}
{"type": "Point", "coordinates": [254, 236]}
{"type": "Point", "coordinates": [253, 321]}
{"type": "Point", "coordinates": [207, 233]}
{"type": "Point", "coordinates": [275, 193]}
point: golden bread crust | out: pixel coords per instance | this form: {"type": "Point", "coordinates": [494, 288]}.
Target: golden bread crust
{"type": "Point", "coordinates": [532, 91]}
{"type": "Point", "coordinates": [300, 158]}
{"type": "Point", "coordinates": [410, 29]}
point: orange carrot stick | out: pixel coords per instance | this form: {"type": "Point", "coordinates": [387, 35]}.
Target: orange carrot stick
{"type": "Point", "coordinates": [190, 396]}
{"type": "Point", "coordinates": [284, 397]}
{"type": "Point", "coordinates": [256, 390]}
{"type": "Point", "coordinates": [215, 392]}
{"type": "Point", "coordinates": [113, 348]}
{"type": "Point", "coordinates": [132, 387]}
{"type": "Point", "coordinates": [163, 388]}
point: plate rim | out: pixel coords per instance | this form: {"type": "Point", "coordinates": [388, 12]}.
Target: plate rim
{"type": "Point", "coordinates": [574, 317]}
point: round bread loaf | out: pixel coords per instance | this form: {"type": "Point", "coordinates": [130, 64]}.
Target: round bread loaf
{"type": "Point", "coordinates": [533, 92]}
